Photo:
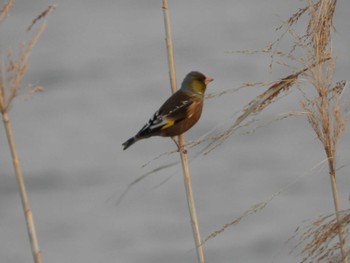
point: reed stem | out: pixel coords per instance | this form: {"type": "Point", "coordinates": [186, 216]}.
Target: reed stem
{"type": "Point", "coordinates": [22, 189]}
{"type": "Point", "coordinates": [183, 155]}
{"type": "Point", "coordinates": [337, 208]}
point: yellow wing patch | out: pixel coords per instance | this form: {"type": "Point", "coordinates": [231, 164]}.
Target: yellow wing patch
{"type": "Point", "coordinates": [168, 125]}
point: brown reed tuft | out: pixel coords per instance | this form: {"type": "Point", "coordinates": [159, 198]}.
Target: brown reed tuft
{"type": "Point", "coordinates": [323, 111]}
{"type": "Point", "coordinates": [319, 236]}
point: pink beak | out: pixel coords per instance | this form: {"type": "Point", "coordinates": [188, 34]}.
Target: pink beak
{"type": "Point", "coordinates": [208, 80]}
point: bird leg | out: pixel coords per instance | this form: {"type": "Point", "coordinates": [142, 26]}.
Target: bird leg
{"type": "Point", "coordinates": [184, 151]}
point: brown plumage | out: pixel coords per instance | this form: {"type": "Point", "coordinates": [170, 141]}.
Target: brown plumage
{"type": "Point", "coordinates": [179, 113]}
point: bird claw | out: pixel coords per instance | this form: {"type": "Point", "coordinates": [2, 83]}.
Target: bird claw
{"type": "Point", "coordinates": [179, 148]}
{"type": "Point", "coordinates": [182, 149]}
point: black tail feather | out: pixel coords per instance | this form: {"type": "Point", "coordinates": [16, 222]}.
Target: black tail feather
{"type": "Point", "coordinates": [129, 142]}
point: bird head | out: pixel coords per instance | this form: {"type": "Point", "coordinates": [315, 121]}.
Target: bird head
{"type": "Point", "coordinates": [195, 82]}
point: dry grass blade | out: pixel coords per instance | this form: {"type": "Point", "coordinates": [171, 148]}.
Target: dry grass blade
{"type": "Point", "coordinates": [140, 178]}
{"type": "Point", "coordinates": [261, 205]}
{"type": "Point", "coordinates": [317, 239]}
{"type": "Point", "coordinates": [32, 90]}
{"type": "Point", "coordinates": [259, 103]}
{"type": "Point", "coordinates": [295, 17]}
{"type": "Point", "coordinates": [44, 14]}
{"type": "Point", "coordinates": [5, 9]}
{"type": "Point", "coordinates": [254, 209]}
{"type": "Point", "coordinates": [338, 90]}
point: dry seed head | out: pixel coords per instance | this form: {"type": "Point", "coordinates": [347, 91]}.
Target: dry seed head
{"type": "Point", "coordinates": [16, 69]}
{"type": "Point", "coordinates": [321, 238]}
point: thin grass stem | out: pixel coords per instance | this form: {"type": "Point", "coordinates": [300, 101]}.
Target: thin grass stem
{"type": "Point", "coordinates": [184, 160]}
{"type": "Point", "coordinates": [22, 189]}
{"type": "Point", "coordinates": [337, 208]}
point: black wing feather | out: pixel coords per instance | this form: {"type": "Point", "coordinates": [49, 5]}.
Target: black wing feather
{"type": "Point", "coordinates": [174, 109]}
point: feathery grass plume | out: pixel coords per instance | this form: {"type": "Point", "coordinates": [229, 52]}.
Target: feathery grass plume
{"type": "Point", "coordinates": [284, 84]}
{"type": "Point", "coordinates": [320, 237]}
{"type": "Point", "coordinates": [11, 76]}
{"type": "Point", "coordinates": [259, 104]}
{"type": "Point", "coordinates": [324, 112]}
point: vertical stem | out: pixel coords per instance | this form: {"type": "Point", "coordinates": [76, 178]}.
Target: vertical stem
{"type": "Point", "coordinates": [191, 204]}
{"type": "Point", "coordinates": [328, 145]}
{"type": "Point", "coordinates": [337, 208]}
{"type": "Point", "coordinates": [184, 161]}
{"type": "Point", "coordinates": [169, 46]}
{"type": "Point", "coordinates": [25, 203]}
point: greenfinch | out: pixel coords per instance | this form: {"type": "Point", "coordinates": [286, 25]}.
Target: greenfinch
{"type": "Point", "coordinates": [178, 113]}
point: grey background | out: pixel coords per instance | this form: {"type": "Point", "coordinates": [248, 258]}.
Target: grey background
{"type": "Point", "coordinates": [104, 68]}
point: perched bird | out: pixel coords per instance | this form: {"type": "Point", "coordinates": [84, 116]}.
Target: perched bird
{"type": "Point", "coordinates": [179, 113]}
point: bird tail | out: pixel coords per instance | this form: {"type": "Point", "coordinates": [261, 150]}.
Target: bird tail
{"type": "Point", "coordinates": [129, 142]}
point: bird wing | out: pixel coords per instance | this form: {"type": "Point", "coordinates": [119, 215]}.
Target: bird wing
{"type": "Point", "coordinates": [174, 110]}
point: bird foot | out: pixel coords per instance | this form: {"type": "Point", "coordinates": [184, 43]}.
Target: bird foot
{"type": "Point", "coordinates": [179, 148]}
{"type": "Point", "coordinates": [182, 149]}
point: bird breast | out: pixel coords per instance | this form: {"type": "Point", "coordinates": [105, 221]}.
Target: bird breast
{"type": "Point", "coordinates": [194, 113]}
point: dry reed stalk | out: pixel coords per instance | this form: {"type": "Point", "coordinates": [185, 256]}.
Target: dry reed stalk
{"type": "Point", "coordinates": [22, 189]}
{"type": "Point", "coordinates": [9, 87]}
{"type": "Point", "coordinates": [324, 114]}
{"type": "Point", "coordinates": [184, 160]}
